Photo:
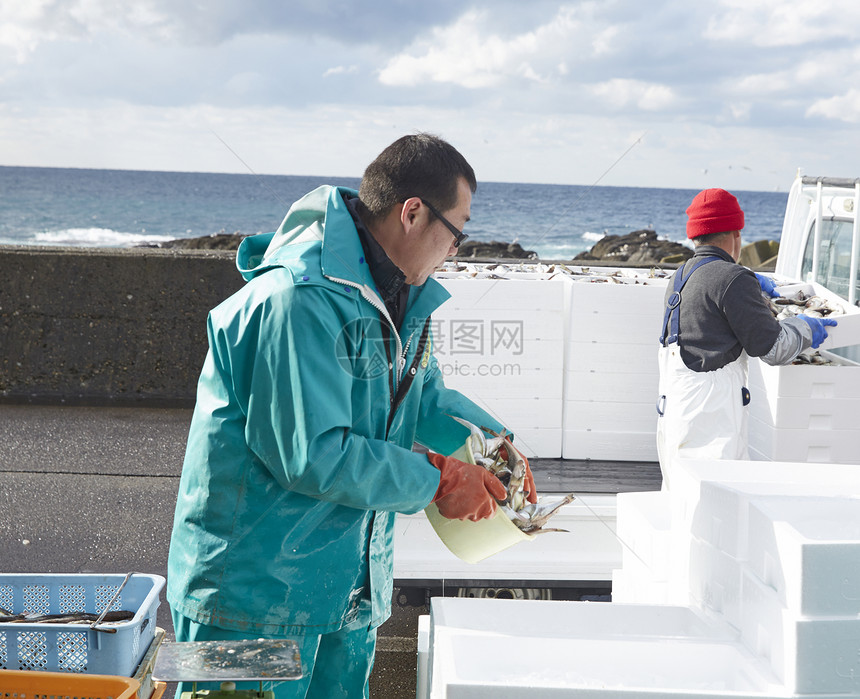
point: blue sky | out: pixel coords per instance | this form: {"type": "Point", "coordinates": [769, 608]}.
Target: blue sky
{"type": "Point", "coordinates": [730, 93]}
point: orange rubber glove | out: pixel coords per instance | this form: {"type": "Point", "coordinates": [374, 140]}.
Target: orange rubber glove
{"type": "Point", "coordinates": [529, 480]}
{"type": "Point", "coordinates": [465, 491]}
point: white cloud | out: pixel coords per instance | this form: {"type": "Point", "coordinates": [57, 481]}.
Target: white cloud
{"type": "Point", "coordinates": [467, 54]}
{"type": "Point", "coordinates": [785, 22]}
{"type": "Point", "coordinates": [341, 70]}
{"type": "Point", "coordinates": [845, 107]}
{"type": "Point", "coordinates": [621, 93]}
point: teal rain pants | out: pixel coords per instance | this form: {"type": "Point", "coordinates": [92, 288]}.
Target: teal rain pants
{"type": "Point", "coordinates": [335, 665]}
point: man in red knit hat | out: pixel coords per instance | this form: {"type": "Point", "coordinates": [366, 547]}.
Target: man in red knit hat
{"type": "Point", "coordinates": [715, 317]}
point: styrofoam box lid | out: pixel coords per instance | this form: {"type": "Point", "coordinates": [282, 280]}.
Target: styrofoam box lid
{"type": "Point", "coordinates": [761, 477]}
{"type": "Point", "coordinates": [816, 518]}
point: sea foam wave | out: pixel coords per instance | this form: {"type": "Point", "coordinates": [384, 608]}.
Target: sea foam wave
{"type": "Point", "coordinates": [95, 237]}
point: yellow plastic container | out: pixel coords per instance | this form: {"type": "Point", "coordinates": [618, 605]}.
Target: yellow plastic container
{"type": "Point", "coordinates": [475, 541]}
{"type": "Point", "coordinates": [31, 684]}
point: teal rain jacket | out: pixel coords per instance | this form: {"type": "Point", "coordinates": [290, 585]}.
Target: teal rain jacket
{"type": "Point", "coordinates": [297, 456]}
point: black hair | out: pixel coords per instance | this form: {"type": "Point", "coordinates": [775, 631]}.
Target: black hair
{"type": "Point", "coordinates": [710, 238]}
{"type": "Point", "coordinates": [419, 165]}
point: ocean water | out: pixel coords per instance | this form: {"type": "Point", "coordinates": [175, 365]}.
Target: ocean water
{"type": "Point", "coordinates": [123, 208]}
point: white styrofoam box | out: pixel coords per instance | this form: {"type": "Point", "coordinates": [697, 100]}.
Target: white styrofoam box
{"type": "Point", "coordinates": [806, 413]}
{"type": "Point", "coordinates": [804, 380]}
{"type": "Point", "coordinates": [538, 442]}
{"type": "Point", "coordinates": [616, 357]}
{"type": "Point", "coordinates": [422, 683]}
{"type": "Point", "coordinates": [581, 649]}
{"type": "Point", "coordinates": [807, 551]}
{"type": "Point", "coordinates": [755, 477]}
{"type": "Point", "coordinates": [494, 353]}
{"type": "Point", "coordinates": [518, 379]}
{"type": "Point", "coordinates": [810, 655]}
{"type": "Point", "coordinates": [722, 513]}
{"type": "Point", "coordinates": [762, 624]}
{"type": "Point", "coordinates": [610, 446]}
{"type": "Point", "coordinates": [536, 423]}
{"type": "Point", "coordinates": [818, 446]}
{"type": "Point", "coordinates": [643, 525]}
{"type": "Point", "coordinates": [721, 518]}
{"type": "Point", "coordinates": [715, 581]}
{"type": "Point", "coordinates": [610, 417]}
{"type": "Point", "coordinates": [535, 413]}
{"type": "Point", "coordinates": [629, 588]}
{"type": "Point", "coordinates": [591, 301]}
{"type": "Point", "coordinates": [638, 569]}
{"type": "Point", "coordinates": [609, 387]}
{"type": "Point", "coordinates": [588, 550]}
{"type": "Point", "coordinates": [606, 325]}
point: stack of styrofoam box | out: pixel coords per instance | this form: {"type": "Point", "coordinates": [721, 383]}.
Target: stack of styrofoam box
{"type": "Point", "coordinates": [773, 550]}
{"type": "Point", "coordinates": [611, 374]}
{"type": "Point", "coordinates": [709, 518]}
{"type": "Point", "coordinates": [805, 412]}
{"type": "Point", "coordinates": [801, 591]}
{"type": "Point", "coordinates": [501, 343]}
{"type": "Point", "coordinates": [774, 577]}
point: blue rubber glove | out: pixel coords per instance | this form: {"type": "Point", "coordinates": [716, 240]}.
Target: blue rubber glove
{"type": "Point", "coordinates": [767, 285]}
{"type": "Point", "coordinates": [819, 334]}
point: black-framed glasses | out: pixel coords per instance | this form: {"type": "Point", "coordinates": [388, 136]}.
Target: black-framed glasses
{"type": "Point", "coordinates": [459, 236]}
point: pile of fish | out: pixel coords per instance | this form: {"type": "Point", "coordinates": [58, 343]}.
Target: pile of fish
{"type": "Point", "coordinates": [499, 457]}
{"type": "Point", "coordinates": [454, 268]}
{"type": "Point", "coordinates": [807, 304]}
{"type": "Point", "coordinates": [814, 306]}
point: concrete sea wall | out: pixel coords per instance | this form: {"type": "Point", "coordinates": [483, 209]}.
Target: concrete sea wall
{"type": "Point", "coordinates": [93, 325]}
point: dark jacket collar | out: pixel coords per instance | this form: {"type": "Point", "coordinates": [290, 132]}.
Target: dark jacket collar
{"type": "Point", "coordinates": [388, 276]}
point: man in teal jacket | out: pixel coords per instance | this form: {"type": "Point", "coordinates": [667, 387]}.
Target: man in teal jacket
{"type": "Point", "coordinates": [319, 379]}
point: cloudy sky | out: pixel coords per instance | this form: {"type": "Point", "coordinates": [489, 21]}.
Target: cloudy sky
{"type": "Point", "coordinates": [670, 93]}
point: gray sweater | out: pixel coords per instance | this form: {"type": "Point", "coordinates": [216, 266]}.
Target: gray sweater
{"type": "Point", "coordinates": [723, 313]}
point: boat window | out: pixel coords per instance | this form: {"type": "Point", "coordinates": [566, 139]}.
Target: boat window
{"type": "Point", "coordinates": [834, 256]}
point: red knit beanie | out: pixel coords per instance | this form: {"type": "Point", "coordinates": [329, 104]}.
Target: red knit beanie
{"type": "Point", "coordinates": [714, 211]}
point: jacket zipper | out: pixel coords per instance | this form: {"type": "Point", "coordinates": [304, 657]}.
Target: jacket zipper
{"type": "Point", "coordinates": [376, 302]}
{"type": "Point", "coordinates": [402, 351]}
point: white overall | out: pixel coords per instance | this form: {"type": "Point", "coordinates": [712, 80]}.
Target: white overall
{"type": "Point", "coordinates": [703, 412]}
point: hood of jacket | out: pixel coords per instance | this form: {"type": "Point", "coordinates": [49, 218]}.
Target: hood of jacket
{"type": "Point", "coordinates": [302, 244]}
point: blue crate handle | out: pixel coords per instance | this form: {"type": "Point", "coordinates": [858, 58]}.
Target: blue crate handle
{"type": "Point", "coordinates": [110, 629]}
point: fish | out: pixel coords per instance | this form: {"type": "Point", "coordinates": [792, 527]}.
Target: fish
{"type": "Point", "coordinates": [498, 455]}
{"type": "Point", "coordinates": [65, 618]}
{"type": "Point", "coordinates": [789, 306]}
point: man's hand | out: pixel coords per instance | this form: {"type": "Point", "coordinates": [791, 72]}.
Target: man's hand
{"type": "Point", "coordinates": [819, 334]}
{"type": "Point", "coordinates": [465, 491]}
{"type": "Point", "coordinates": [767, 285]}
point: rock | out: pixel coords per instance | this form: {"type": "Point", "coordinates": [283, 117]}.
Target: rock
{"type": "Point", "coordinates": [216, 241]}
{"type": "Point", "coordinates": [494, 249]}
{"type": "Point", "coordinates": [639, 247]}
{"type": "Point", "coordinates": [760, 255]}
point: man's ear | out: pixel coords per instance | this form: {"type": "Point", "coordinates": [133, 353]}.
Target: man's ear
{"type": "Point", "coordinates": [411, 215]}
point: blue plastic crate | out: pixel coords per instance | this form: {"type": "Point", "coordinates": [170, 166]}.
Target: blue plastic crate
{"type": "Point", "coordinates": [77, 647]}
